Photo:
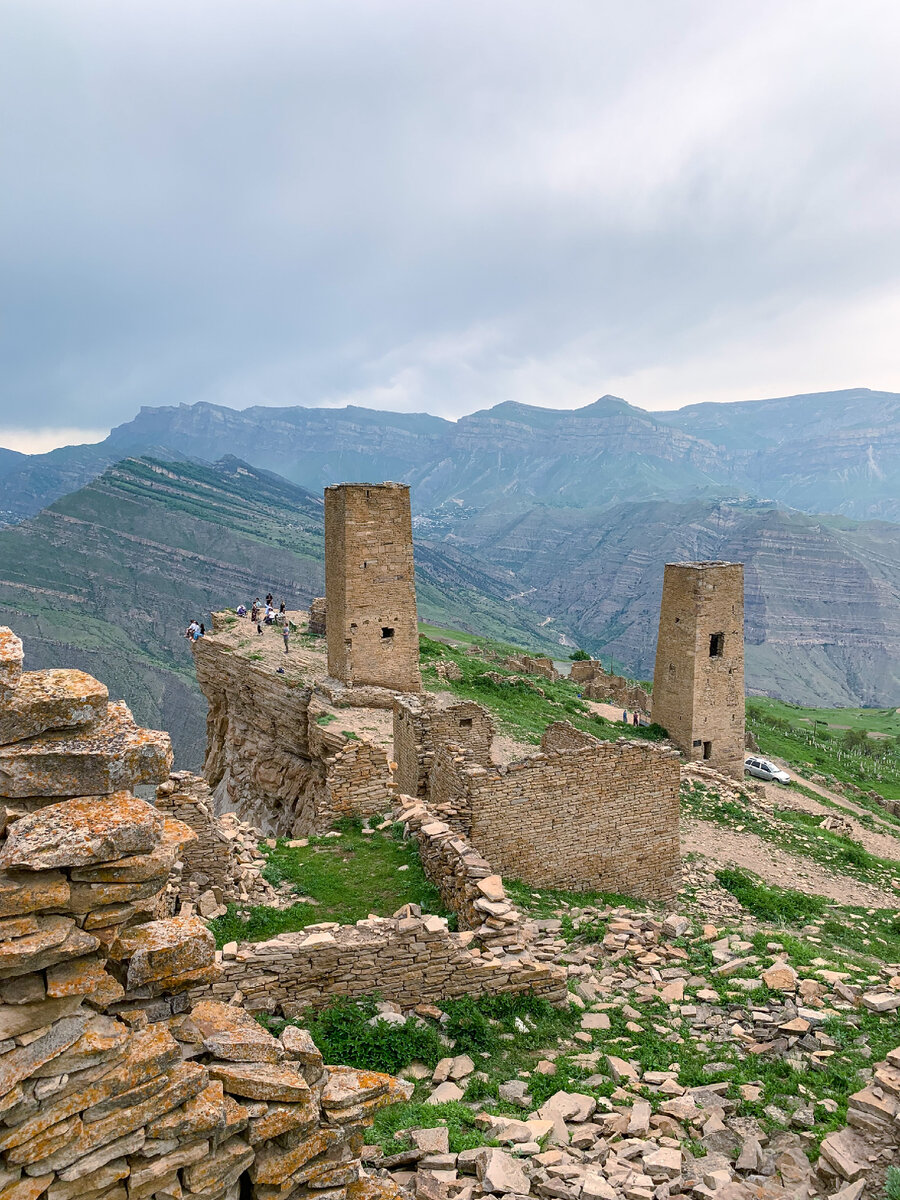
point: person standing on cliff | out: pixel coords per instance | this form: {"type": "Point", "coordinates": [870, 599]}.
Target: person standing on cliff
{"type": "Point", "coordinates": [286, 633]}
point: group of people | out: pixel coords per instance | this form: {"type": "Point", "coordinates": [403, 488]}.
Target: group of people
{"type": "Point", "coordinates": [267, 615]}
{"type": "Point", "coordinates": [195, 631]}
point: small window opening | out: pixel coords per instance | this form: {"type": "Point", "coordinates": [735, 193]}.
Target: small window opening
{"type": "Point", "coordinates": [716, 645]}
{"type": "Point", "coordinates": [672, 670]}
{"type": "Point", "coordinates": [696, 742]}
{"type": "Point", "coordinates": [386, 631]}
{"type": "Point", "coordinates": [367, 493]}
{"type": "Point", "coordinates": [365, 564]}
{"type": "Point", "coordinates": [707, 749]}
{"type": "Point", "coordinates": [465, 722]}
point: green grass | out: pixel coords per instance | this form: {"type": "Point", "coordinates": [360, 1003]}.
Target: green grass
{"type": "Point", "coordinates": [523, 705]}
{"type": "Point", "coordinates": [770, 903]}
{"type": "Point", "coordinates": [797, 832]}
{"type": "Point", "coordinates": [789, 732]}
{"type": "Point", "coordinates": [348, 877]}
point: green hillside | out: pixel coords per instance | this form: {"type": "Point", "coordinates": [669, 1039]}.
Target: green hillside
{"type": "Point", "coordinates": [106, 579]}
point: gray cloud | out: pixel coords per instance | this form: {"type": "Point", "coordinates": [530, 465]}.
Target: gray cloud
{"type": "Point", "coordinates": [420, 205]}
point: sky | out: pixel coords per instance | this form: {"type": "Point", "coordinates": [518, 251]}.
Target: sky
{"type": "Point", "coordinates": [426, 206]}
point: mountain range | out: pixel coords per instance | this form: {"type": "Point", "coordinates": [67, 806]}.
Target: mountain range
{"type": "Point", "coordinates": [542, 527]}
{"type": "Point", "coordinates": [827, 452]}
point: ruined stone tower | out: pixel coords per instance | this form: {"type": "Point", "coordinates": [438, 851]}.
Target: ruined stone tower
{"type": "Point", "coordinates": [372, 631]}
{"type": "Point", "coordinates": [698, 684]}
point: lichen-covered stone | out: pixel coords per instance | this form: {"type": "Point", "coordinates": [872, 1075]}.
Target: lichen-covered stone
{"type": "Point", "coordinates": [11, 658]}
{"type": "Point", "coordinates": [112, 754]}
{"type": "Point", "coordinates": [232, 1034]}
{"type": "Point", "coordinates": [85, 830]}
{"type": "Point", "coordinates": [57, 699]}
{"type": "Point", "coordinates": [261, 1081]}
{"type": "Point", "coordinates": [163, 950]}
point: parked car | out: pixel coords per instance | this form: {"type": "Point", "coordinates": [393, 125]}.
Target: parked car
{"type": "Point", "coordinates": [761, 768]}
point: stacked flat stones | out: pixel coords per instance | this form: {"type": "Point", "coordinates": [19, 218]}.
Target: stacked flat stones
{"type": "Point", "coordinates": [107, 1090]}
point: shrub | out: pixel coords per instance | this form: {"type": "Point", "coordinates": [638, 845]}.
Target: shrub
{"type": "Point", "coordinates": [345, 1033]}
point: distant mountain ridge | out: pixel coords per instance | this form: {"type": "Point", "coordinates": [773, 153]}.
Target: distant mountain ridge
{"type": "Point", "coordinates": [822, 452]}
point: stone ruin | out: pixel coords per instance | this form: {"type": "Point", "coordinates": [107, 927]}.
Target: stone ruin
{"type": "Point", "coordinates": [598, 684]}
{"type": "Point", "coordinates": [113, 1085]}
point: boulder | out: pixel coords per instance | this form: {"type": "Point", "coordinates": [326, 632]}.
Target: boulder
{"type": "Point", "coordinates": [82, 831]}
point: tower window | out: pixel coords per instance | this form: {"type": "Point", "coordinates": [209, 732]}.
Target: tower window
{"type": "Point", "coordinates": [716, 645]}
{"type": "Point", "coordinates": [386, 631]}
{"type": "Point", "coordinates": [465, 722]}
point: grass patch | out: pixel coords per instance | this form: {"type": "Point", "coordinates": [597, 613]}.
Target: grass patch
{"type": "Point", "coordinates": [524, 705]}
{"type": "Point", "coordinates": [347, 877]}
{"type": "Point", "coordinates": [832, 741]}
{"type": "Point", "coordinates": [768, 902]}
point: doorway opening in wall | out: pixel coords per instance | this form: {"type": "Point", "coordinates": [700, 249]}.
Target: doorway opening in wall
{"type": "Point", "coordinates": [707, 749]}
{"type": "Point", "coordinates": [716, 645]}
{"type": "Point", "coordinates": [386, 632]}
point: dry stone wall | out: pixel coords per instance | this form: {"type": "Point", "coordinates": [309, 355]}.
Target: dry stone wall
{"type": "Point", "coordinates": [421, 723]}
{"type": "Point", "coordinates": [533, 666]}
{"type": "Point", "coordinates": [111, 1086]}
{"type": "Point", "coordinates": [598, 684]}
{"type": "Point", "coordinates": [601, 816]}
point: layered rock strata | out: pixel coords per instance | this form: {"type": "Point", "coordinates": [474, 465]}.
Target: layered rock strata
{"type": "Point", "coordinates": [271, 756]}
{"type": "Point", "coordinates": [109, 1087]}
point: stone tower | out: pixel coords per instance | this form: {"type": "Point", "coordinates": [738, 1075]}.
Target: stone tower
{"type": "Point", "coordinates": [372, 631]}
{"type": "Point", "coordinates": [698, 684]}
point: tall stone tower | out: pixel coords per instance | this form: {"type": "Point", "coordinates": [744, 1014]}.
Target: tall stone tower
{"type": "Point", "coordinates": [371, 627]}
{"type": "Point", "coordinates": [698, 684]}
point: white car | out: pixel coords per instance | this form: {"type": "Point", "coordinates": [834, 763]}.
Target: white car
{"type": "Point", "coordinates": [763, 769]}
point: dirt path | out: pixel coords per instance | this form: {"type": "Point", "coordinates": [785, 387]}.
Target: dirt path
{"type": "Point", "coordinates": [725, 847]}
{"type": "Point", "coordinates": [612, 712]}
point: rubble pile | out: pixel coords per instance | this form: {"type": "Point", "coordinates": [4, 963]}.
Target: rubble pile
{"type": "Point", "coordinates": [224, 864]}
{"type": "Point", "coordinates": [111, 1088]}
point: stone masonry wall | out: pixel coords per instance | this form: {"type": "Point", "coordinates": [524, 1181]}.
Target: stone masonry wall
{"type": "Point", "coordinates": [317, 617]}
{"type": "Point", "coordinates": [423, 723]}
{"type": "Point", "coordinates": [532, 665]}
{"type": "Point", "coordinates": [603, 816]}
{"type": "Point", "coordinates": [372, 629]}
{"type": "Point", "coordinates": [268, 758]}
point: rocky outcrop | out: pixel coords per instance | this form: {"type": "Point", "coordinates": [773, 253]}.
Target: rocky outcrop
{"type": "Point", "coordinates": [272, 757]}
{"type": "Point", "coordinates": [110, 1085]}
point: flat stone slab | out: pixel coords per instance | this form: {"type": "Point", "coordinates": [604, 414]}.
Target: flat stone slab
{"type": "Point", "coordinates": [46, 700]}
{"type": "Point", "coordinates": [163, 950]}
{"type": "Point", "coordinates": [111, 755]}
{"type": "Point", "coordinates": [11, 657]}
{"type": "Point", "coordinates": [82, 831]}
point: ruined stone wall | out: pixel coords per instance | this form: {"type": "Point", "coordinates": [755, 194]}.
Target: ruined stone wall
{"type": "Point", "coordinates": [465, 879]}
{"type": "Point", "coordinates": [223, 859]}
{"type": "Point", "coordinates": [111, 1086]}
{"type": "Point", "coordinates": [372, 629]}
{"type": "Point", "coordinates": [698, 683]}
{"type": "Point", "coordinates": [423, 723]}
{"type": "Point", "coordinates": [562, 735]}
{"type": "Point", "coordinates": [410, 960]}
{"type": "Point", "coordinates": [602, 816]}
{"type": "Point", "coordinates": [532, 665]}
{"type": "Point", "coordinates": [598, 684]}
{"type": "Point", "coordinates": [317, 618]}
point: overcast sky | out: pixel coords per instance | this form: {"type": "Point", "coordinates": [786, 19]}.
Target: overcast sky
{"type": "Point", "coordinates": [425, 205]}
